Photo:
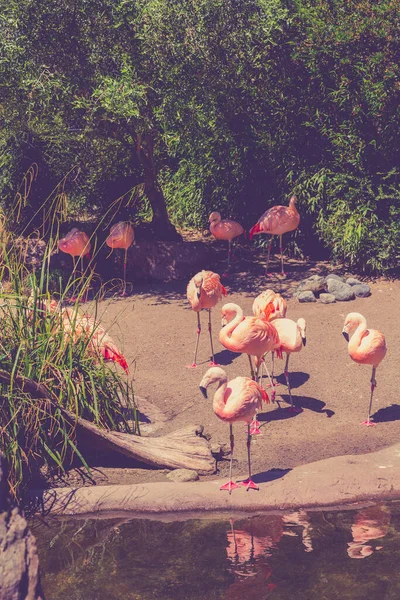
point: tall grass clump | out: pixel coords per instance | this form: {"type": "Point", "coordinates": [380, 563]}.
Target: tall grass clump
{"type": "Point", "coordinates": [48, 379]}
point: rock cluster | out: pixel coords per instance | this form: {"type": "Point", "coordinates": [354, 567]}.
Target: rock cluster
{"type": "Point", "coordinates": [330, 289]}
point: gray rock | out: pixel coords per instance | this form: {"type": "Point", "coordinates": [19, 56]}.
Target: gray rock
{"type": "Point", "coordinates": [362, 290]}
{"type": "Point", "coordinates": [180, 475]}
{"type": "Point", "coordinates": [327, 298]}
{"type": "Point", "coordinates": [19, 562]}
{"type": "Point", "coordinates": [314, 284]}
{"type": "Point", "coordinates": [334, 276]}
{"type": "Point", "coordinates": [353, 281]}
{"type": "Point", "coordinates": [306, 297]}
{"type": "Point", "coordinates": [341, 291]}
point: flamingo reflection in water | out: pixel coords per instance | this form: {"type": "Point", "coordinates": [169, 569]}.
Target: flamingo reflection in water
{"type": "Point", "coordinates": [370, 523]}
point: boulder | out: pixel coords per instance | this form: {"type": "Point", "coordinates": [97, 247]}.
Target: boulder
{"type": "Point", "coordinates": [334, 276]}
{"type": "Point", "coordinates": [19, 562]}
{"type": "Point", "coordinates": [342, 291]}
{"type": "Point", "coordinates": [353, 281]}
{"type": "Point", "coordinates": [315, 284]}
{"type": "Point", "coordinates": [182, 475]}
{"type": "Point", "coordinates": [362, 290]}
{"type": "Point", "coordinates": [327, 298]}
{"type": "Point", "coordinates": [306, 297]}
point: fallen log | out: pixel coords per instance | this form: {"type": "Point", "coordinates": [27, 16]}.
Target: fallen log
{"type": "Point", "coordinates": [185, 448]}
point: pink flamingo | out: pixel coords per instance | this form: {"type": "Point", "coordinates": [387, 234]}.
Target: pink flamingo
{"type": "Point", "coordinates": [75, 243]}
{"type": "Point", "coordinates": [204, 290]}
{"type": "Point", "coordinates": [366, 347]}
{"type": "Point", "coordinates": [250, 335]}
{"type": "Point", "coordinates": [280, 307]}
{"type": "Point", "coordinates": [277, 221]}
{"type": "Point", "coordinates": [225, 230]}
{"type": "Point", "coordinates": [235, 401]}
{"type": "Point", "coordinates": [121, 236]}
{"type": "Point", "coordinates": [75, 326]}
{"type": "Point", "coordinates": [292, 336]}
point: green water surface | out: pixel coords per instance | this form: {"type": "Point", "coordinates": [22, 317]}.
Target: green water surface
{"type": "Point", "coordinates": [321, 555]}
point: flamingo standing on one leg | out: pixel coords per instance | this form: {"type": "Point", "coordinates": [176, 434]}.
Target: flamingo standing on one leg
{"type": "Point", "coordinates": [235, 401]}
{"type": "Point", "coordinates": [76, 243]}
{"type": "Point", "coordinates": [121, 236]}
{"type": "Point", "coordinates": [250, 335]}
{"type": "Point", "coordinates": [366, 347]}
{"type": "Point", "coordinates": [204, 290]}
{"type": "Point", "coordinates": [225, 230]}
{"type": "Point", "coordinates": [277, 221]}
{"type": "Point", "coordinates": [292, 337]}
{"type": "Point", "coordinates": [280, 307]}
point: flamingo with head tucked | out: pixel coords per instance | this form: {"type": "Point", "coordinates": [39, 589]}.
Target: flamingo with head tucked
{"type": "Point", "coordinates": [250, 335]}
{"type": "Point", "coordinates": [225, 230]}
{"type": "Point", "coordinates": [277, 221]}
{"type": "Point", "coordinates": [121, 236]}
{"type": "Point", "coordinates": [238, 400]}
{"type": "Point", "coordinates": [77, 244]}
{"type": "Point", "coordinates": [204, 290]}
{"type": "Point", "coordinates": [280, 307]}
{"type": "Point", "coordinates": [366, 347]}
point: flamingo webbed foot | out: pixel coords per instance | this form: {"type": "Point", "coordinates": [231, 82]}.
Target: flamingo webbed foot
{"type": "Point", "coordinates": [249, 484]}
{"type": "Point", "coordinates": [213, 364]}
{"type": "Point", "coordinates": [229, 486]}
{"type": "Point", "coordinates": [192, 366]}
{"type": "Point", "coordinates": [254, 431]}
{"type": "Point", "coordinates": [368, 423]}
{"type": "Point", "coordinates": [295, 409]}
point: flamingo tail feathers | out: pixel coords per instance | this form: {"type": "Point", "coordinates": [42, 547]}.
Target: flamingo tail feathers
{"type": "Point", "coordinates": [224, 290]}
{"type": "Point", "coordinates": [265, 397]}
{"type": "Point", "coordinates": [279, 353]}
{"type": "Point", "coordinates": [269, 310]}
{"type": "Point", "coordinates": [116, 356]}
{"type": "Point", "coordinates": [255, 229]}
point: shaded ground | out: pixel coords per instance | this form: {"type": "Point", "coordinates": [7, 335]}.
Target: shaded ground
{"type": "Point", "coordinates": [156, 329]}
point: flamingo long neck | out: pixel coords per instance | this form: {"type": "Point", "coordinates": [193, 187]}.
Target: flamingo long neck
{"type": "Point", "coordinates": [219, 402]}
{"type": "Point", "coordinates": [226, 332]}
{"type": "Point", "coordinates": [292, 206]}
{"type": "Point", "coordinates": [357, 336]}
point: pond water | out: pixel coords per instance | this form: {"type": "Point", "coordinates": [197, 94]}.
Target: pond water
{"type": "Point", "coordinates": [299, 555]}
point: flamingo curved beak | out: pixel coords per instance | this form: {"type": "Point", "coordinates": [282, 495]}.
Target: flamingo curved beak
{"type": "Point", "coordinates": [203, 391]}
{"type": "Point", "coordinates": [304, 340]}
{"type": "Point", "coordinates": [345, 335]}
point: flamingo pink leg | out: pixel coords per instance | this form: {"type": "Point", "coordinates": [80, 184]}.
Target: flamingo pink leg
{"type": "Point", "coordinates": [272, 384]}
{"type": "Point", "coordinates": [85, 299]}
{"type": "Point", "coordinates": [268, 255]}
{"type": "Point", "coordinates": [368, 422]}
{"type": "Point", "coordinates": [194, 365]}
{"type": "Point", "coordinates": [281, 249]}
{"type": "Point", "coordinates": [73, 297]}
{"type": "Point", "coordinates": [249, 483]}
{"type": "Point", "coordinates": [212, 363]}
{"type": "Point", "coordinates": [292, 407]}
{"type": "Point", "coordinates": [230, 485]}
{"type": "Point", "coordinates": [123, 293]}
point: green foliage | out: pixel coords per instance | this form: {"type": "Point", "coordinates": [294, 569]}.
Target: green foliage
{"type": "Point", "coordinates": [35, 431]}
{"type": "Point", "coordinates": [237, 102]}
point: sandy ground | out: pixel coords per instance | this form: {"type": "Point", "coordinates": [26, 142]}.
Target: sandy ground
{"type": "Point", "coordinates": [156, 329]}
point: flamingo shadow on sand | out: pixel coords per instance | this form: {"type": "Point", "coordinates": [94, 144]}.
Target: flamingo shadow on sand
{"type": "Point", "coordinates": [225, 357]}
{"type": "Point", "coordinates": [305, 402]}
{"type": "Point", "coordinates": [387, 414]}
{"type": "Point", "coordinates": [271, 475]}
{"type": "Point", "coordinates": [279, 414]}
{"type": "Point", "coordinates": [297, 379]}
